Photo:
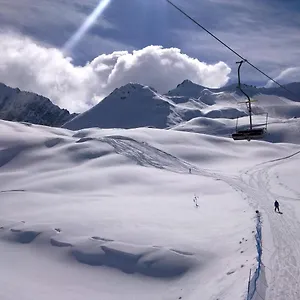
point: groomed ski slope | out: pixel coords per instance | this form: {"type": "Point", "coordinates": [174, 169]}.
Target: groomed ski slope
{"type": "Point", "coordinates": [278, 179]}
{"type": "Point", "coordinates": [110, 214]}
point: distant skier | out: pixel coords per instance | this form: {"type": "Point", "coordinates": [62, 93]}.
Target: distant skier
{"type": "Point", "coordinates": [258, 215]}
{"type": "Point", "coordinates": [196, 200]}
{"type": "Point", "coordinates": [276, 205]}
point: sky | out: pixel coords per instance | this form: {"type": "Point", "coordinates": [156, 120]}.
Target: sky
{"type": "Point", "coordinates": [76, 52]}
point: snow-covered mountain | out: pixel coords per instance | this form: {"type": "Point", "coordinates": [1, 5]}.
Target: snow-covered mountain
{"type": "Point", "coordinates": [16, 105]}
{"type": "Point", "coordinates": [130, 106]}
{"type": "Point", "coordinates": [135, 105]}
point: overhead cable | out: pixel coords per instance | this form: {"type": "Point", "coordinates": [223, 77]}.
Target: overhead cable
{"type": "Point", "coordinates": [236, 53]}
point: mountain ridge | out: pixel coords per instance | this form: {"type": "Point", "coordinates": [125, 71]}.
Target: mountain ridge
{"type": "Point", "coordinates": [186, 101]}
{"type": "Point", "coordinates": [135, 105]}
{"type": "Point", "coordinates": [24, 106]}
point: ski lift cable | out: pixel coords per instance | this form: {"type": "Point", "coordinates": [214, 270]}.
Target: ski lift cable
{"type": "Point", "coordinates": [236, 53]}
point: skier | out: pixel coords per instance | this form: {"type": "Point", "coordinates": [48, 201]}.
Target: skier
{"type": "Point", "coordinates": [196, 200]}
{"type": "Point", "coordinates": [276, 204]}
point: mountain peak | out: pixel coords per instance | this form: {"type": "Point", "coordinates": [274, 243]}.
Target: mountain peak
{"type": "Point", "coordinates": [187, 89]}
{"type": "Point", "coordinates": [132, 105]}
{"type": "Point", "coordinates": [130, 89]}
{"type": "Point", "coordinates": [188, 83]}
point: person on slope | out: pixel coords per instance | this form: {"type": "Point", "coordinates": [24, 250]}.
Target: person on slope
{"type": "Point", "coordinates": [276, 204]}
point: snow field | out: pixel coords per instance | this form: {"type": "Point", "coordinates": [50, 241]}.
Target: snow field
{"type": "Point", "coordinates": [116, 204]}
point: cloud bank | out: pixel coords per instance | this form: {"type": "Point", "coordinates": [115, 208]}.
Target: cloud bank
{"type": "Point", "coordinates": [287, 76]}
{"type": "Point", "coordinates": [31, 66]}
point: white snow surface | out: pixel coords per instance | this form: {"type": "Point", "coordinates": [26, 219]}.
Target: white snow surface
{"type": "Point", "coordinates": [109, 213]}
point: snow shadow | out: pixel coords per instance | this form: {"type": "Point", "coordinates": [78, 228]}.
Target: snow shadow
{"type": "Point", "coordinates": [8, 154]}
{"type": "Point", "coordinates": [258, 282]}
{"type": "Point", "coordinates": [150, 261]}
{"type": "Point", "coordinates": [153, 261]}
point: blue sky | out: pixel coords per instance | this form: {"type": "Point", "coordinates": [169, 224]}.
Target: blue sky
{"type": "Point", "coordinates": [266, 32]}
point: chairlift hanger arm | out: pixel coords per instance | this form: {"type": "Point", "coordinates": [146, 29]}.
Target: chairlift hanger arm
{"type": "Point", "coordinates": [239, 79]}
{"type": "Point", "coordinates": [239, 86]}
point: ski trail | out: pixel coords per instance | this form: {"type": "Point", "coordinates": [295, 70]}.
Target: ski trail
{"type": "Point", "coordinates": [285, 261]}
{"type": "Point", "coordinates": [147, 155]}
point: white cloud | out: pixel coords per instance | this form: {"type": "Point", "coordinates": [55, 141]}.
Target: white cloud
{"type": "Point", "coordinates": [286, 76]}
{"type": "Point", "coordinates": [33, 67]}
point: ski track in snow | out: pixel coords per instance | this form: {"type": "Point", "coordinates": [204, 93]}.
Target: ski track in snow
{"type": "Point", "coordinates": [283, 283]}
{"type": "Point", "coordinates": [146, 155]}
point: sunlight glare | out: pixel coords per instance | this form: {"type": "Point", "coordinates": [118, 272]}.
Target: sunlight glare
{"type": "Point", "coordinates": [88, 23]}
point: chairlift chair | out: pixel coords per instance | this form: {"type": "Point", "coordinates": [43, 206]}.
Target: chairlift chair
{"type": "Point", "coordinates": [251, 133]}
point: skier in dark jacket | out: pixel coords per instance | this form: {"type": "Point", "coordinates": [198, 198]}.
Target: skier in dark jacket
{"type": "Point", "coordinates": [276, 204]}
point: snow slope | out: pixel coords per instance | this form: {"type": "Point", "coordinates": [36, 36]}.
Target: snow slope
{"type": "Point", "coordinates": [109, 213]}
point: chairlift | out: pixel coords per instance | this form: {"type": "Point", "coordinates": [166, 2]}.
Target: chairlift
{"type": "Point", "coordinates": [254, 131]}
